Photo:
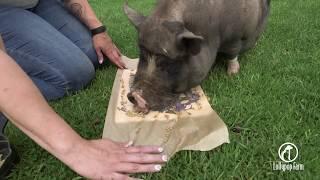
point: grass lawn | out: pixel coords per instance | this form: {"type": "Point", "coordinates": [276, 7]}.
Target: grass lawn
{"type": "Point", "coordinates": [275, 99]}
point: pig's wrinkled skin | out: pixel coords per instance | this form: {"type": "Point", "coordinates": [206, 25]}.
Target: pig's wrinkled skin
{"type": "Point", "coordinates": [180, 40]}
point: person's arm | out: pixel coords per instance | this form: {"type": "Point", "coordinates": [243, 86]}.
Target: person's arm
{"type": "Point", "coordinates": [82, 10]}
{"type": "Point", "coordinates": [24, 105]}
{"type": "Point", "coordinates": [102, 42]}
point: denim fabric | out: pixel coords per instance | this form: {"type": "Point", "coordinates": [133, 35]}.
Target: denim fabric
{"type": "Point", "coordinates": [51, 46]}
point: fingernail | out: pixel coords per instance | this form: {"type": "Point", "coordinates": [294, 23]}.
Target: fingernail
{"type": "Point", "coordinates": [165, 158]}
{"type": "Point", "coordinates": [100, 61]}
{"type": "Point", "coordinates": [160, 149]}
{"type": "Point", "coordinates": [130, 143]}
{"type": "Point", "coordinates": [157, 167]}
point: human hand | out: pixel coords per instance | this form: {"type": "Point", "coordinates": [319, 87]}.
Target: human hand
{"type": "Point", "coordinates": [104, 46]}
{"type": "Point", "coordinates": [105, 159]}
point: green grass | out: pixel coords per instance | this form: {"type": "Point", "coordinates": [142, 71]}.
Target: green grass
{"type": "Point", "coordinates": [274, 99]}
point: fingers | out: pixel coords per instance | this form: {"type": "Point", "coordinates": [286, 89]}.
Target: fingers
{"type": "Point", "coordinates": [140, 149]}
{"type": "Point", "coordinates": [117, 176]}
{"type": "Point", "coordinates": [100, 55]}
{"type": "Point", "coordinates": [119, 54]}
{"type": "Point", "coordinates": [118, 51]}
{"type": "Point", "coordinates": [137, 168]}
{"type": "Point", "coordinates": [129, 144]}
{"type": "Point", "coordinates": [144, 158]}
{"type": "Point", "coordinates": [123, 64]}
{"type": "Point", "coordinates": [112, 55]}
{"type": "Point", "coordinates": [116, 59]}
{"type": "Point", "coordinates": [115, 56]}
{"type": "Point", "coordinates": [145, 149]}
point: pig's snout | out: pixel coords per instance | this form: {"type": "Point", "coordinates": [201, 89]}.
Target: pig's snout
{"type": "Point", "coordinates": [136, 98]}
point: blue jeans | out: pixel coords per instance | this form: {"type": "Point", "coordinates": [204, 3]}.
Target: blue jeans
{"type": "Point", "coordinates": [51, 46]}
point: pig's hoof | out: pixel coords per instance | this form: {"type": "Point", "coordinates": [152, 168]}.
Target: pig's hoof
{"type": "Point", "coordinates": [233, 67]}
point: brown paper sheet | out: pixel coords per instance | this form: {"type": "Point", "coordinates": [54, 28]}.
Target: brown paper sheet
{"type": "Point", "coordinates": [198, 128]}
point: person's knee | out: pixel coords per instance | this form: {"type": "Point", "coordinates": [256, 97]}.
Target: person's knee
{"type": "Point", "coordinates": [67, 78]}
{"type": "Point", "coordinates": [86, 74]}
{"type": "Point", "coordinates": [81, 75]}
{"type": "Point", "coordinates": [61, 82]}
{"type": "Point", "coordinates": [89, 50]}
{"type": "Point", "coordinates": [53, 88]}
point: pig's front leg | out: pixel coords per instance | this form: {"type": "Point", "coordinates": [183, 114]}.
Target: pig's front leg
{"type": "Point", "coordinates": [233, 66]}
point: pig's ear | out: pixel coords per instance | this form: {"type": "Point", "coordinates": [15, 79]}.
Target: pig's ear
{"type": "Point", "coordinates": [135, 17]}
{"type": "Point", "coordinates": [189, 42]}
